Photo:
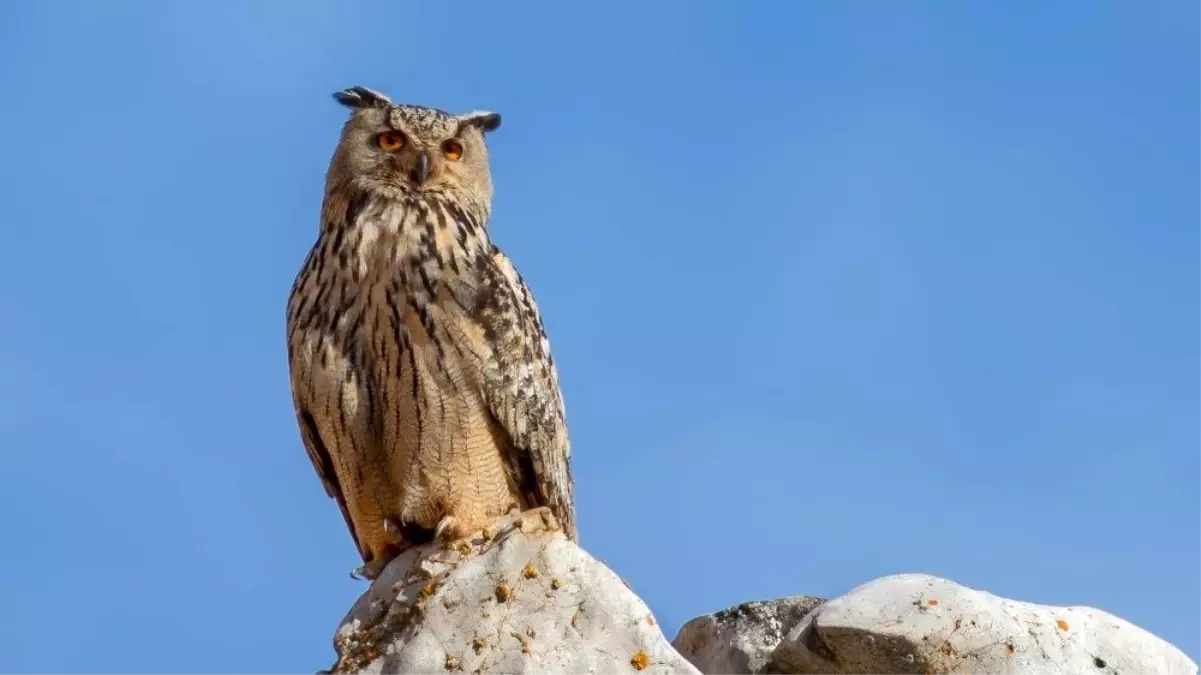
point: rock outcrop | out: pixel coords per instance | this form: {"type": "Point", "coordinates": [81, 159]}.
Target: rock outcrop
{"type": "Point", "coordinates": [913, 623]}
{"type": "Point", "coordinates": [522, 600]}
{"type": "Point", "coordinates": [741, 639]}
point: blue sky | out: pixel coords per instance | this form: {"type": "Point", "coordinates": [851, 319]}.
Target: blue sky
{"type": "Point", "coordinates": [837, 290]}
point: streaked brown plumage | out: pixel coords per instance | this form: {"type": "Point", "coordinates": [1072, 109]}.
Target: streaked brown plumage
{"type": "Point", "coordinates": [423, 381]}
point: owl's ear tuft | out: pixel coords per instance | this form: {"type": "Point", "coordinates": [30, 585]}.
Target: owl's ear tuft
{"type": "Point", "coordinates": [484, 120]}
{"type": "Point", "coordinates": [362, 97]}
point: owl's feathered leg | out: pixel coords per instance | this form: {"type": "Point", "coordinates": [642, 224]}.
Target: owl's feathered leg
{"type": "Point", "coordinates": [452, 528]}
{"type": "Point", "coordinates": [369, 570]}
{"type": "Point", "coordinates": [530, 521]}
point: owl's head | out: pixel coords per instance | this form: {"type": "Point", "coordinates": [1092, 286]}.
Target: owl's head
{"type": "Point", "coordinates": [398, 150]}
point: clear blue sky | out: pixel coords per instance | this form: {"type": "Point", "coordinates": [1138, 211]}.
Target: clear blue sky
{"type": "Point", "coordinates": [837, 290]}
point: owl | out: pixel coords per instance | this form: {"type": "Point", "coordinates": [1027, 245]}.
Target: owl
{"type": "Point", "coordinates": [421, 374]}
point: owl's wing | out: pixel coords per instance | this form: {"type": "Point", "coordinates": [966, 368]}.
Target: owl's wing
{"type": "Point", "coordinates": [324, 464]}
{"type": "Point", "coordinates": [521, 386]}
{"type": "Point", "coordinates": [314, 446]}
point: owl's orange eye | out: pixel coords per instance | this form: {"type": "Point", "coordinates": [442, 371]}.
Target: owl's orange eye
{"type": "Point", "coordinates": [453, 150]}
{"type": "Point", "coordinates": [390, 141]}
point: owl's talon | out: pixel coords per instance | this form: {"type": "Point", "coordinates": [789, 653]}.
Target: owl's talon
{"type": "Point", "coordinates": [446, 530]}
{"type": "Point", "coordinates": [395, 529]}
{"type": "Point", "coordinates": [530, 521]}
{"type": "Point", "coordinates": [368, 571]}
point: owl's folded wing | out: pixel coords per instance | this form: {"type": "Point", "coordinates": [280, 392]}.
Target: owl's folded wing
{"type": "Point", "coordinates": [324, 464]}
{"type": "Point", "coordinates": [521, 387]}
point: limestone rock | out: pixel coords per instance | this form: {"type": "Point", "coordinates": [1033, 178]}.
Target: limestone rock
{"type": "Point", "coordinates": [741, 639]}
{"type": "Point", "coordinates": [913, 623]}
{"type": "Point", "coordinates": [523, 600]}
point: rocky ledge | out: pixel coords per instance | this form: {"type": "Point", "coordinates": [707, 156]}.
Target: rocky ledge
{"type": "Point", "coordinates": [524, 599]}
{"type": "Point", "coordinates": [521, 599]}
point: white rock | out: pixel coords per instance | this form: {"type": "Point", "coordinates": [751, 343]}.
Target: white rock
{"type": "Point", "coordinates": [741, 639]}
{"type": "Point", "coordinates": [527, 601]}
{"type": "Point", "coordinates": [912, 623]}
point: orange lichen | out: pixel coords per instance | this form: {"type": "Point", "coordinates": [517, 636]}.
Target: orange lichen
{"type": "Point", "coordinates": [429, 589]}
{"type": "Point", "coordinates": [650, 620]}
{"type": "Point", "coordinates": [1063, 625]}
{"type": "Point", "coordinates": [640, 660]}
{"type": "Point", "coordinates": [932, 603]}
{"type": "Point", "coordinates": [529, 571]}
{"type": "Point", "coordinates": [503, 593]}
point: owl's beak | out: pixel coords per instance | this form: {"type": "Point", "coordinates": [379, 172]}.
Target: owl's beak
{"type": "Point", "coordinates": [421, 170]}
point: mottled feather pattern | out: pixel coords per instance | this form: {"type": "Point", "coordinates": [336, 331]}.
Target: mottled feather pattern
{"type": "Point", "coordinates": [523, 383]}
{"type": "Point", "coordinates": [404, 297]}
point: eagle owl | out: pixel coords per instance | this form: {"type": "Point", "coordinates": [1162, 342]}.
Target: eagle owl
{"type": "Point", "coordinates": [422, 378]}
